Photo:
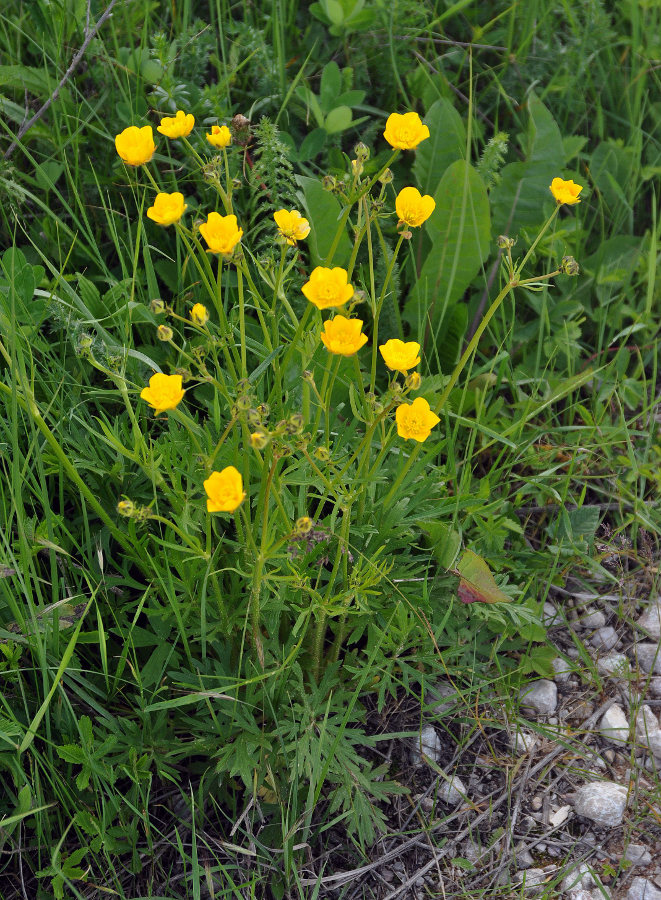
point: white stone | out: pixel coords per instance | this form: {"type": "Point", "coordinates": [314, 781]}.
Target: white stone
{"type": "Point", "coordinates": [654, 686]}
{"type": "Point", "coordinates": [429, 744]}
{"type": "Point", "coordinates": [541, 696]}
{"type": "Point", "coordinates": [523, 742]}
{"type": "Point", "coordinates": [593, 618]}
{"type": "Point", "coordinates": [451, 791]}
{"type": "Point", "coordinates": [604, 638]}
{"type": "Point", "coordinates": [533, 881]}
{"type": "Point", "coordinates": [614, 725]}
{"type": "Point", "coordinates": [524, 859]}
{"type": "Point", "coordinates": [603, 802]}
{"type": "Point", "coordinates": [613, 664]}
{"type": "Point", "coordinates": [445, 697]}
{"type": "Point", "coordinates": [580, 877]}
{"type": "Point", "coordinates": [643, 889]}
{"type": "Point", "coordinates": [649, 657]}
{"type": "Point", "coordinates": [580, 894]}
{"type": "Point", "coordinates": [550, 615]}
{"type": "Point", "coordinates": [648, 732]}
{"type": "Point", "coordinates": [563, 669]}
{"type": "Point", "coordinates": [650, 621]}
{"type": "Point", "coordinates": [638, 855]}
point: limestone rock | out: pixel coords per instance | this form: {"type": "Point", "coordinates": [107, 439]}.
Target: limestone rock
{"type": "Point", "coordinates": [649, 657]}
{"type": "Point", "coordinates": [638, 855]}
{"type": "Point", "coordinates": [540, 696]}
{"type": "Point", "coordinates": [429, 744]}
{"type": "Point", "coordinates": [643, 889]}
{"type": "Point", "coordinates": [648, 732]}
{"type": "Point", "coordinates": [614, 725]}
{"type": "Point", "coordinates": [592, 618]}
{"type": "Point", "coordinates": [563, 670]}
{"type": "Point", "coordinates": [650, 620]}
{"type": "Point", "coordinates": [603, 802]}
{"type": "Point", "coordinates": [604, 638]}
{"type": "Point", "coordinates": [452, 791]}
{"type": "Point", "coordinates": [613, 664]}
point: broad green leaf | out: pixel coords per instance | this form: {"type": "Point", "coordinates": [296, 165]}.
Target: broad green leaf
{"type": "Point", "coordinates": [460, 232]}
{"type": "Point", "coordinates": [323, 212]}
{"type": "Point", "coordinates": [26, 78]}
{"type": "Point", "coordinates": [331, 85]}
{"type": "Point", "coordinates": [338, 119]}
{"type": "Point", "coordinates": [477, 584]}
{"type": "Point", "coordinates": [522, 197]}
{"type": "Point", "coordinates": [447, 143]}
{"type": "Point", "coordinates": [445, 541]}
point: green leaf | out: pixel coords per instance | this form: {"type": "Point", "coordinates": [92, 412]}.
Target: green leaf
{"type": "Point", "coordinates": [460, 231]}
{"type": "Point", "coordinates": [477, 584]}
{"type": "Point", "coordinates": [445, 541]}
{"type": "Point", "coordinates": [331, 85]}
{"type": "Point", "coordinates": [520, 198]}
{"type": "Point", "coordinates": [323, 212]}
{"type": "Point", "coordinates": [313, 144]}
{"type": "Point", "coordinates": [338, 119]}
{"type": "Point", "coordinates": [446, 144]}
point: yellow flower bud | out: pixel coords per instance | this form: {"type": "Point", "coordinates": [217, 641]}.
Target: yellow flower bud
{"type": "Point", "coordinates": [135, 145]}
{"type": "Point", "coordinates": [220, 136]}
{"type": "Point", "coordinates": [415, 420]}
{"type": "Point", "coordinates": [405, 132]}
{"type": "Point", "coordinates": [224, 490]}
{"type": "Point", "coordinates": [342, 336]}
{"type": "Point", "coordinates": [164, 333]}
{"type": "Point", "coordinates": [178, 126]}
{"type": "Point", "coordinates": [199, 314]}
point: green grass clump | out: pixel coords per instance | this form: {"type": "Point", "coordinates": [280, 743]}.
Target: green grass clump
{"type": "Point", "coordinates": [182, 686]}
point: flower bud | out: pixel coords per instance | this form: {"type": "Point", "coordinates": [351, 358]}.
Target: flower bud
{"type": "Point", "coordinates": [264, 411]}
{"type": "Point", "coordinates": [157, 306]}
{"type": "Point", "coordinates": [243, 386]}
{"type": "Point", "coordinates": [329, 183]}
{"type": "Point", "coordinates": [504, 242]}
{"type": "Point", "coordinates": [254, 418]}
{"type": "Point", "coordinates": [362, 151]}
{"type": "Point", "coordinates": [359, 297]}
{"type": "Point", "coordinates": [164, 333]}
{"type": "Point", "coordinates": [243, 403]}
{"type": "Point", "coordinates": [259, 439]}
{"type": "Point", "coordinates": [240, 129]}
{"type": "Point", "coordinates": [308, 376]}
{"type": "Point", "coordinates": [413, 381]}
{"type": "Point", "coordinates": [322, 454]}
{"type": "Point", "coordinates": [304, 525]}
{"type": "Point", "coordinates": [126, 508]}
{"type": "Point", "coordinates": [386, 176]}
{"type": "Point", "coordinates": [569, 266]}
{"type": "Point", "coordinates": [357, 167]}
{"type": "Point", "coordinates": [295, 424]}
{"type": "Point", "coordinates": [84, 344]}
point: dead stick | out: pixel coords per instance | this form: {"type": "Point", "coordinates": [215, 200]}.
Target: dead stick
{"type": "Point", "coordinates": [90, 34]}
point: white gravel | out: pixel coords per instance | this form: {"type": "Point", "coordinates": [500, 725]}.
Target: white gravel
{"type": "Point", "coordinates": [603, 802]}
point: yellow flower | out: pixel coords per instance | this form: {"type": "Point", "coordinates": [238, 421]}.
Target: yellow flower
{"type": "Point", "coordinates": [415, 420]}
{"type": "Point", "coordinates": [220, 136]}
{"type": "Point", "coordinates": [221, 233]}
{"type": "Point", "coordinates": [167, 208]}
{"type": "Point", "coordinates": [400, 356]}
{"type": "Point", "coordinates": [199, 314]}
{"type": "Point", "coordinates": [343, 336]}
{"type": "Point", "coordinates": [328, 288]}
{"type": "Point", "coordinates": [179, 126]}
{"type": "Point", "coordinates": [413, 208]}
{"type": "Point", "coordinates": [291, 225]}
{"type": "Point", "coordinates": [405, 132]}
{"type": "Point", "coordinates": [164, 392]}
{"type": "Point", "coordinates": [565, 191]}
{"type": "Point", "coordinates": [224, 490]}
{"type": "Point", "coordinates": [135, 145]}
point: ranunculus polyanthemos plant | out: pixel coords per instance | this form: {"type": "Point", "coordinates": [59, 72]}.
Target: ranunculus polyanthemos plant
{"type": "Point", "coordinates": [290, 481]}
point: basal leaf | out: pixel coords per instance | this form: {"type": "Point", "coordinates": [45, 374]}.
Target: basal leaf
{"type": "Point", "coordinates": [447, 143]}
{"type": "Point", "coordinates": [477, 584]}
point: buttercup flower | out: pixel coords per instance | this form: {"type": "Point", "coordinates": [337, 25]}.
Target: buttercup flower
{"type": "Point", "coordinates": [221, 233]}
{"type": "Point", "coordinates": [565, 191]}
{"type": "Point", "coordinates": [199, 314]}
{"type": "Point", "coordinates": [179, 126]}
{"type": "Point", "coordinates": [400, 356]}
{"type": "Point", "coordinates": [291, 225]}
{"type": "Point", "coordinates": [405, 132]}
{"type": "Point", "coordinates": [220, 136]}
{"type": "Point", "coordinates": [343, 336]}
{"type": "Point", "coordinates": [167, 208]}
{"type": "Point", "coordinates": [164, 392]}
{"type": "Point", "coordinates": [135, 145]}
{"type": "Point", "coordinates": [415, 420]}
{"type": "Point", "coordinates": [413, 208]}
{"type": "Point", "coordinates": [224, 490]}
{"type": "Point", "coordinates": [328, 288]}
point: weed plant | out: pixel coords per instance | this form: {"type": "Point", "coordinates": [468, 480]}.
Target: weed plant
{"type": "Point", "coordinates": [233, 522]}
